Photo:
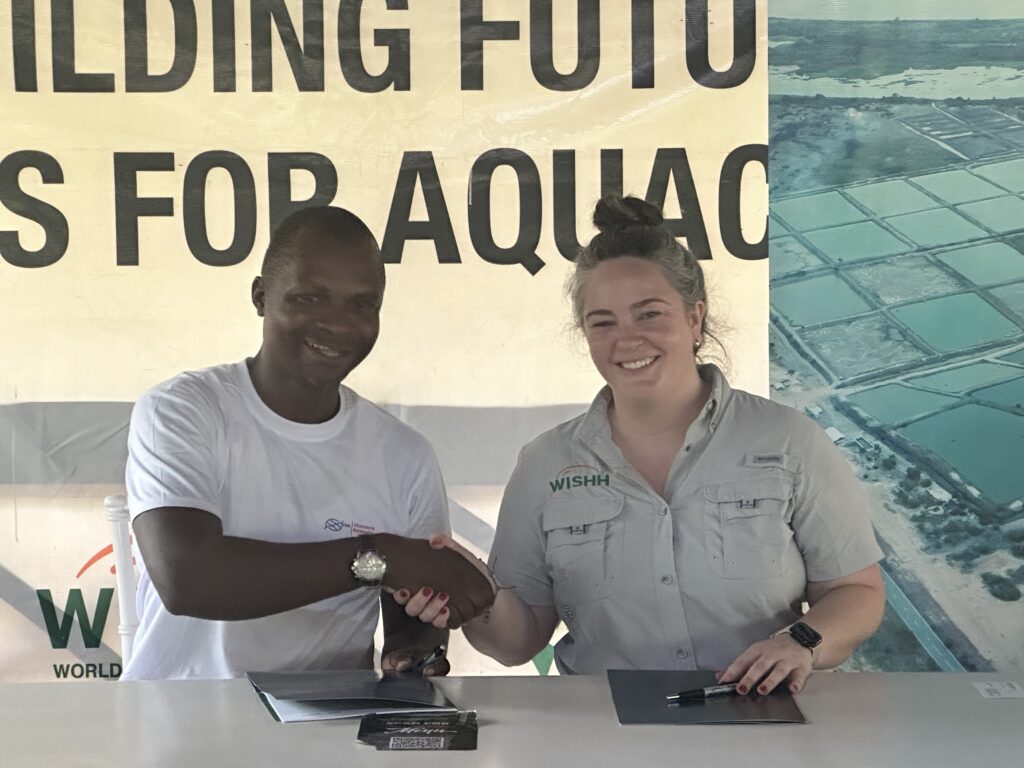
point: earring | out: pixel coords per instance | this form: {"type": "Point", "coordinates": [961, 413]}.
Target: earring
{"type": "Point", "coordinates": [696, 345]}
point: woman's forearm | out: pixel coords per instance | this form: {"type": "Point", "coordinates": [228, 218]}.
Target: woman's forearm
{"type": "Point", "coordinates": [510, 630]}
{"type": "Point", "coordinates": [845, 616]}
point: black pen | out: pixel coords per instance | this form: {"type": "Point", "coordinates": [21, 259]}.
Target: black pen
{"type": "Point", "coordinates": [433, 655]}
{"type": "Point", "coordinates": [698, 694]}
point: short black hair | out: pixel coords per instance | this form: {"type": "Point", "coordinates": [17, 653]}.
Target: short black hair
{"type": "Point", "coordinates": [332, 220]}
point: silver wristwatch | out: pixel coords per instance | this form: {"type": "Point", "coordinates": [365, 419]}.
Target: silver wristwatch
{"type": "Point", "coordinates": [368, 566]}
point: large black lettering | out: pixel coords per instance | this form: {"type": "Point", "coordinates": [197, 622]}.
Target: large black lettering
{"type": "Point", "coordinates": [730, 197]}
{"type": "Point", "coordinates": [397, 71]}
{"type": "Point", "coordinates": [564, 163]}
{"type": "Point", "coordinates": [588, 45]}
{"type": "Point", "coordinates": [194, 205]}
{"type": "Point", "coordinates": [306, 60]}
{"type": "Point", "coordinates": [224, 65]}
{"type": "Point", "coordinates": [672, 164]}
{"type": "Point", "coordinates": [66, 79]}
{"type": "Point", "coordinates": [279, 175]}
{"type": "Point", "coordinates": [473, 32]}
{"type": "Point", "coordinates": [23, 44]}
{"type": "Point", "coordinates": [418, 168]}
{"type": "Point", "coordinates": [643, 43]}
{"type": "Point", "coordinates": [524, 250]}
{"type": "Point", "coordinates": [129, 207]}
{"type": "Point", "coordinates": [53, 222]}
{"type": "Point", "coordinates": [744, 44]}
{"type": "Point", "coordinates": [137, 77]}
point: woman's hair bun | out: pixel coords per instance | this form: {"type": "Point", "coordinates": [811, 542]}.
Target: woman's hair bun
{"type": "Point", "coordinates": [614, 212]}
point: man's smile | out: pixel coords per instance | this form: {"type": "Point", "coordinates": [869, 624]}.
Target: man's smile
{"type": "Point", "coordinates": [322, 349]}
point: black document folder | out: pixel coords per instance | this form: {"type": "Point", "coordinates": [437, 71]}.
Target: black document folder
{"type": "Point", "coordinates": [301, 696]}
{"type": "Point", "coordinates": [639, 697]}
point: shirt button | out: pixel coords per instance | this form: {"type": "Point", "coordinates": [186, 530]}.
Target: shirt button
{"type": "Point", "coordinates": [683, 653]}
{"type": "Point", "coordinates": [667, 579]}
{"type": "Point", "coordinates": [663, 511]}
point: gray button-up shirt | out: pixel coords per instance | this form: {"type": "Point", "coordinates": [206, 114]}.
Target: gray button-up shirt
{"type": "Point", "coordinates": [758, 502]}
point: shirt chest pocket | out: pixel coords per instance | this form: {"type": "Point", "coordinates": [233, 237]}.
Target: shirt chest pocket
{"type": "Point", "coordinates": [745, 531]}
{"type": "Point", "coordinates": [584, 547]}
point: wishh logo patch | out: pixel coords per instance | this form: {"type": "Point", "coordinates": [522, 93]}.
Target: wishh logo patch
{"type": "Point", "coordinates": [579, 476]}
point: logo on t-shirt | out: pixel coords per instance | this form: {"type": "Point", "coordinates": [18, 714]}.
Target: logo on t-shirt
{"type": "Point", "coordinates": [579, 476]}
{"type": "Point", "coordinates": [355, 529]}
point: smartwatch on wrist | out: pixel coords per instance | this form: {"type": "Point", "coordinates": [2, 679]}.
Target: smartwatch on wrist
{"type": "Point", "coordinates": [368, 566]}
{"type": "Point", "coordinates": [805, 635]}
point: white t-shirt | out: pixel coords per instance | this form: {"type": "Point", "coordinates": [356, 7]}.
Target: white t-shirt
{"type": "Point", "coordinates": [206, 440]}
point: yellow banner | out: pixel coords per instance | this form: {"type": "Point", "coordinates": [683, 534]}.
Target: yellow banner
{"type": "Point", "coordinates": [148, 147]}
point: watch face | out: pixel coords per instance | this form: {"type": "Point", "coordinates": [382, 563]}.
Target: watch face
{"type": "Point", "coordinates": [369, 566]}
{"type": "Point", "coordinates": [805, 635]}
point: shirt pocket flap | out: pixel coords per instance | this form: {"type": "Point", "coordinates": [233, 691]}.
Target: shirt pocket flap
{"type": "Point", "coordinates": [739, 498]}
{"type": "Point", "coordinates": [567, 514]}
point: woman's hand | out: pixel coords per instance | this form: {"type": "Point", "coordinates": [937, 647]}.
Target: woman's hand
{"type": "Point", "coordinates": [432, 608]}
{"type": "Point", "coordinates": [428, 607]}
{"type": "Point", "coordinates": [771, 662]}
{"type": "Point", "coordinates": [844, 611]}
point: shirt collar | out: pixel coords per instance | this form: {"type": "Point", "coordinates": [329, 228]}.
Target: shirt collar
{"type": "Point", "coordinates": [595, 421]}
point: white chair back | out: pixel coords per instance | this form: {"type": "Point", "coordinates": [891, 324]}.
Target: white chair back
{"type": "Point", "coordinates": [117, 514]}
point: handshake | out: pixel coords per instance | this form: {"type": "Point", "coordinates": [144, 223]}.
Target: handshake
{"type": "Point", "coordinates": [437, 580]}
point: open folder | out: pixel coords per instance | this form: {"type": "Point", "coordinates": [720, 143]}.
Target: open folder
{"type": "Point", "coordinates": [639, 697]}
{"type": "Point", "coordinates": [293, 697]}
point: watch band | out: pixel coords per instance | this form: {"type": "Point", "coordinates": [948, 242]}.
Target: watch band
{"type": "Point", "coordinates": [803, 635]}
{"type": "Point", "coordinates": [365, 544]}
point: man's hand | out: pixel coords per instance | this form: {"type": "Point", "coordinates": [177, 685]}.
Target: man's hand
{"type": "Point", "coordinates": [406, 659]}
{"type": "Point", "coordinates": [408, 641]}
{"type": "Point", "coordinates": [770, 662]}
{"type": "Point", "coordinates": [415, 564]}
{"type": "Point", "coordinates": [431, 606]}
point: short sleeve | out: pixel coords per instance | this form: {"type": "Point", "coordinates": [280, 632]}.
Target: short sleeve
{"type": "Point", "coordinates": [172, 448]}
{"type": "Point", "coordinates": [517, 554]}
{"type": "Point", "coordinates": [427, 499]}
{"type": "Point", "coordinates": [831, 516]}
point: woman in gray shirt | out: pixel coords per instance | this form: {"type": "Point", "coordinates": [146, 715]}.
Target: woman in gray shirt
{"type": "Point", "coordinates": [678, 524]}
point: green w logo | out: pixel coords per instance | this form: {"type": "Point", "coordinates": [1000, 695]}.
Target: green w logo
{"type": "Point", "coordinates": [60, 630]}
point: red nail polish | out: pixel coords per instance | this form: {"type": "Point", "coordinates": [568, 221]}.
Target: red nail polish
{"type": "Point", "coordinates": [444, 610]}
{"type": "Point", "coordinates": [742, 689]}
{"type": "Point", "coordinates": [403, 593]}
{"type": "Point", "coordinates": [427, 591]}
{"type": "Point", "coordinates": [442, 596]}
{"type": "Point", "coordinates": [762, 689]}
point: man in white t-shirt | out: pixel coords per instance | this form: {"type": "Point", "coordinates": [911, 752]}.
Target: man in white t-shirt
{"type": "Point", "coordinates": [273, 507]}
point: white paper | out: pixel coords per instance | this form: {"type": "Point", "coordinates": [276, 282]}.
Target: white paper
{"type": "Point", "coordinates": [290, 711]}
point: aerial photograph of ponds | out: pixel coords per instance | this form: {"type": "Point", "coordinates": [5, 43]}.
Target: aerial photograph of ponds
{"type": "Point", "coordinates": [897, 291]}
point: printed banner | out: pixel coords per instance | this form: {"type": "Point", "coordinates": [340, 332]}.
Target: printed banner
{"type": "Point", "coordinates": [149, 147]}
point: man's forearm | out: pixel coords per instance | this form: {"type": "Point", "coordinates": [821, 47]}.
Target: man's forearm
{"type": "Point", "coordinates": [200, 572]}
{"type": "Point", "coordinates": [230, 578]}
